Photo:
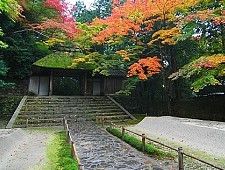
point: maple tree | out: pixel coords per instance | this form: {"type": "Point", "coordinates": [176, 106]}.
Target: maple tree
{"type": "Point", "coordinates": [206, 70]}
{"type": "Point", "coordinates": [140, 18]}
{"type": "Point", "coordinates": [207, 27]}
{"type": "Point", "coordinates": [160, 25]}
{"type": "Point", "coordinates": [62, 20]}
{"type": "Point", "coordinates": [149, 66]}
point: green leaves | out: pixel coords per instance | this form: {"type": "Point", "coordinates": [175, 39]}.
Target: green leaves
{"type": "Point", "coordinates": [10, 8]}
{"type": "Point", "coordinates": [2, 44]}
{"type": "Point", "coordinates": [3, 72]}
{"type": "Point", "coordinates": [204, 71]}
{"type": "Point", "coordinates": [203, 81]}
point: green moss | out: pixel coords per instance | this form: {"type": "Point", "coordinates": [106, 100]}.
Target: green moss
{"type": "Point", "coordinates": [59, 154]}
{"type": "Point", "coordinates": [55, 60]}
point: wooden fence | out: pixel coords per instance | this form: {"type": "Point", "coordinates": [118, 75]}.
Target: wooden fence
{"type": "Point", "coordinates": [74, 154]}
{"type": "Point", "coordinates": [179, 150]}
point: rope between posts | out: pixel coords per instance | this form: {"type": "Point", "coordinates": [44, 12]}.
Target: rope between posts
{"type": "Point", "coordinates": [179, 150]}
{"type": "Point", "coordinates": [132, 132]}
{"type": "Point", "coordinates": [193, 157]}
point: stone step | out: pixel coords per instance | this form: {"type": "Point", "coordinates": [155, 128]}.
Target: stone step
{"type": "Point", "coordinates": [67, 102]}
{"type": "Point", "coordinates": [51, 116]}
{"type": "Point", "coordinates": [36, 125]}
{"type": "Point", "coordinates": [70, 111]}
{"type": "Point", "coordinates": [38, 121]}
{"type": "Point", "coordinates": [75, 108]}
{"type": "Point", "coordinates": [69, 105]}
{"type": "Point", "coordinates": [67, 99]}
{"type": "Point", "coordinates": [50, 111]}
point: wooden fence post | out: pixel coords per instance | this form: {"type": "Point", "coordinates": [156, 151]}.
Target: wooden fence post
{"type": "Point", "coordinates": [123, 133]}
{"type": "Point", "coordinates": [97, 120]}
{"type": "Point", "coordinates": [102, 122]}
{"type": "Point", "coordinates": [143, 142]}
{"type": "Point", "coordinates": [64, 124]}
{"type": "Point", "coordinates": [72, 150]}
{"type": "Point", "coordinates": [181, 158]}
{"type": "Point", "coordinates": [68, 136]}
{"type": "Point", "coordinates": [27, 123]}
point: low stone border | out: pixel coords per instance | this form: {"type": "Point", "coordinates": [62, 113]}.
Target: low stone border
{"type": "Point", "coordinates": [122, 108]}
{"type": "Point", "coordinates": [17, 111]}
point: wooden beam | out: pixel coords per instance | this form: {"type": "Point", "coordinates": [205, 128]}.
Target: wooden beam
{"type": "Point", "coordinates": [85, 83]}
{"type": "Point", "coordinates": [50, 84]}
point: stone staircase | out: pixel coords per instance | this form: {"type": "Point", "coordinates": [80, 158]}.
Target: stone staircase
{"type": "Point", "coordinates": [50, 110]}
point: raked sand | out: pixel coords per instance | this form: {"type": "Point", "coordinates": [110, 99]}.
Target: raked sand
{"type": "Point", "coordinates": [23, 149]}
{"type": "Point", "coordinates": [206, 136]}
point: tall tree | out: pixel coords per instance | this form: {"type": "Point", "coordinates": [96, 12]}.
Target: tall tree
{"type": "Point", "coordinates": [205, 25]}
{"type": "Point", "coordinates": [12, 10]}
{"type": "Point", "coordinates": [99, 9]}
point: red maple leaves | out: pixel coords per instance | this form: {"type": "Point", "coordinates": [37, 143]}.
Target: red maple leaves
{"type": "Point", "coordinates": [63, 20]}
{"type": "Point", "coordinates": [144, 68]}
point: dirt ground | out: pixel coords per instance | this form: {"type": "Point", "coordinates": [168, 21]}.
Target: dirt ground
{"type": "Point", "coordinates": [23, 149]}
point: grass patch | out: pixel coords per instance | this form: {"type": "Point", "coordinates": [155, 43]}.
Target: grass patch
{"type": "Point", "coordinates": [139, 117]}
{"type": "Point", "coordinates": [59, 154]}
{"type": "Point", "coordinates": [133, 141]}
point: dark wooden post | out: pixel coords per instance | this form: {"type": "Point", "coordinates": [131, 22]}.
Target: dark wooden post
{"type": "Point", "coordinates": [181, 158]}
{"type": "Point", "coordinates": [27, 123]}
{"type": "Point", "coordinates": [64, 124]}
{"type": "Point", "coordinates": [50, 84]}
{"type": "Point", "coordinates": [72, 150]}
{"type": "Point", "coordinates": [102, 121]}
{"type": "Point", "coordinates": [85, 83]}
{"type": "Point", "coordinates": [110, 126]}
{"type": "Point", "coordinates": [143, 142]}
{"type": "Point", "coordinates": [68, 136]}
{"type": "Point", "coordinates": [97, 120]}
{"type": "Point", "coordinates": [123, 132]}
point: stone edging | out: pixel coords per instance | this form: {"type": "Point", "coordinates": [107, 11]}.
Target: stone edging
{"type": "Point", "coordinates": [122, 108]}
{"type": "Point", "coordinates": [15, 114]}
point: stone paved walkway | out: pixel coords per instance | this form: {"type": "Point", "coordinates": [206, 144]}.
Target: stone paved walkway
{"type": "Point", "coordinates": [97, 149]}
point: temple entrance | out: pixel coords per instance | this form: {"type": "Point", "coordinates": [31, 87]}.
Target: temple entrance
{"type": "Point", "coordinates": [66, 86]}
{"type": "Point", "coordinates": [93, 87]}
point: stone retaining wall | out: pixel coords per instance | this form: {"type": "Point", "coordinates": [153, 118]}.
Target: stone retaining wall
{"type": "Point", "coordinates": [204, 107]}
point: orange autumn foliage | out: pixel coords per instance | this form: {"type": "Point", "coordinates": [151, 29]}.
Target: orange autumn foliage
{"type": "Point", "coordinates": [217, 18]}
{"type": "Point", "coordinates": [166, 36]}
{"type": "Point", "coordinates": [164, 9]}
{"type": "Point", "coordinates": [125, 19]}
{"type": "Point", "coordinates": [144, 68]}
{"type": "Point", "coordinates": [137, 16]}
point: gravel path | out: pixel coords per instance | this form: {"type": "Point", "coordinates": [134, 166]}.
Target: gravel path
{"type": "Point", "coordinates": [207, 136]}
{"type": "Point", "coordinates": [23, 149]}
{"type": "Point", "coordinates": [97, 149]}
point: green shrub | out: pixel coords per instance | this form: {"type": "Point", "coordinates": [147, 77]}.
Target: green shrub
{"type": "Point", "coordinates": [115, 132]}
{"type": "Point", "coordinates": [133, 141]}
{"type": "Point", "coordinates": [151, 150]}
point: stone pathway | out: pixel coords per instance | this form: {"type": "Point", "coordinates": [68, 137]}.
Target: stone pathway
{"type": "Point", "coordinates": [97, 149]}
